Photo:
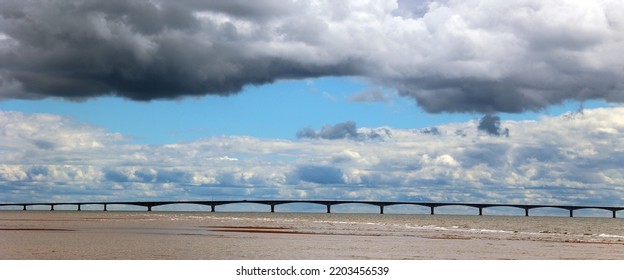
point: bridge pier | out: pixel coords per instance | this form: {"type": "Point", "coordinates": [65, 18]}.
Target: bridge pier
{"type": "Point", "coordinates": [328, 208]}
{"type": "Point", "coordinates": [526, 212]}
{"type": "Point", "coordinates": [432, 211]}
{"type": "Point", "coordinates": [212, 208]}
{"type": "Point", "coordinates": [79, 207]}
{"type": "Point", "coordinates": [25, 209]}
{"type": "Point", "coordinates": [381, 208]}
{"type": "Point", "coordinates": [149, 208]}
{"type": "Point", "coordinates": [571, 214]}
{"type": "Point", "coordinates": [613, 213]}
{"type": "Point", "coordinates": [51, 207]}
{"type": "Point", "coordinates": [105, 207]}
{"type": "Point", "coordinates": [480, 211]}
{"type": "Point", "coordinates": [272, 208]}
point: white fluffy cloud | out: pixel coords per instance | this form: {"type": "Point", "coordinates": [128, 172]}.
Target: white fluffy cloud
{"type": "Point", "coordinates": [573, 158]}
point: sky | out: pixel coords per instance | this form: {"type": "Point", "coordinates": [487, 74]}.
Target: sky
{"type": "Point", "coordinates": [447, 101]}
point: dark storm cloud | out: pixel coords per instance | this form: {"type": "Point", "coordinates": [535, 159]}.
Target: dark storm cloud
{"type": "Point", "coordinates": [141, 50]}
{"type": "Point", "coordinates": [450, 95]}
{"type": "Point", "coordinates": [449, 57]}
{"type": "Point", "coordinates": [263, 10]}
{"type": "Point", "coordinates": [491, 125]}
{"type": "Point", "coordinates": [512, 95]}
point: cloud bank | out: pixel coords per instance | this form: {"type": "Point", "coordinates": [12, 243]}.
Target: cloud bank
{"type": "Point", "coordinates": [570, 159]}
{"type": "Point", "coordinates": [450, 56]}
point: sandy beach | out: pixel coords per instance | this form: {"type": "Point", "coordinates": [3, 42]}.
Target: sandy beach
{"type": "Point", "coordinates": [34, 235]}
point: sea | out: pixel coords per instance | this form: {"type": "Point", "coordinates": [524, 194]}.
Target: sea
{"type": "Point", "coordinates": [162, 235]}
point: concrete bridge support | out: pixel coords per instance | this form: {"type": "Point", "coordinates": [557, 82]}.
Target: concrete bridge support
{"type": "Point", "coordinates": [212, 207]}
{"type": "Point", "coordinates": [272, 208]}
{"type": "Point", "coordinates": [25, 209]}
{"type": "Point", "coordinates": [51, 207]}
{"type": "Point", "coordinates": [105, 207]}
{"type": "Point", "coordinates": [432, 211]}
{"type": "Point", "coordinates": [480, 211]}
{"type": "Point", "coordinates": [149, 208]}
{"type": "Point", "coordinates": [526, 212]}
{"type": "Point", "coordinates": [328, 208]}
{"type": "Point", "coordinates": [571, 213]}
{"type": "Point", "coordinates": [381, 208]}
{"type": "Point", "coordinates": [613, 213]}
{"type": "Point", "coordinates": [79, 207]}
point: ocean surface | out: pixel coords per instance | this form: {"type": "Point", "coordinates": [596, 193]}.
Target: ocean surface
{"type": "Point", "coordinates": [238, 235]}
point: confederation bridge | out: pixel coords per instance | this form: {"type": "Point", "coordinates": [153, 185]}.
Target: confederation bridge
{"type": "Point", "coordinates": [328, 203]}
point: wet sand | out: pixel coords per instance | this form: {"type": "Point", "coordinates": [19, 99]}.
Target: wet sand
{"type": "Point", "coordinates": [98, 235]}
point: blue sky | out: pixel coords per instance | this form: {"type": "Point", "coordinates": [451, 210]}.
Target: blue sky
{"type": "Point", "coordinates": [460, 101]}
{"type": "Point", "coordinates": [275, 110]}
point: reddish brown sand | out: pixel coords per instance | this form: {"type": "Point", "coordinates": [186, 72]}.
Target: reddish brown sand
{"type": "Point", "coordinates": [98, 235]}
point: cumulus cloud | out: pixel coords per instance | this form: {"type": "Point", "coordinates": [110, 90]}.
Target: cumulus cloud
{"type": "Point", "coordinates": [346, 130]}
{"type": "Point", "coordinates": [569, 159]}
{"type": "Point", "coordinates": [337, 131]}
{"type": "Point", "coordinates": [431, 130]}
{"type": "Point", "coordinates": [319, 174]}
{"type": "Point", "coordinates": [450, 56]}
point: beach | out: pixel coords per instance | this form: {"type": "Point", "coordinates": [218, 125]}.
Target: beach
{"type": "Point", "coordinates": [112, 235]}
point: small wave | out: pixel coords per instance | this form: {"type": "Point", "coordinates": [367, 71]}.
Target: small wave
{"type": "Point", "coordinates": [610, 235]}
{"type": "Point", "coordinates": [427, 227]}
{"type": "Point", "coordinates": [490, 230]}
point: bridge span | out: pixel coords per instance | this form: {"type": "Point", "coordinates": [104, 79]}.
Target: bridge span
{"type": "Point", "coordinates": [328, 203]}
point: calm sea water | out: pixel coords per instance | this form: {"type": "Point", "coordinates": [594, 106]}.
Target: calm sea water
{"type": "Point", "coordinates": [402, 225]}
{"type": "Point", "coordinates": [357, 224]}
{"type": "Point", "coordinates": [223, 235]}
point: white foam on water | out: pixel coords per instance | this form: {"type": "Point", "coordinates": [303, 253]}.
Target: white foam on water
{"type": "Point", "coordinates": [610, 235]}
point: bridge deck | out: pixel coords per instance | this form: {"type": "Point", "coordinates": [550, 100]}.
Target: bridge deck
{"type": "Point", "coordinates": [328, 203]}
